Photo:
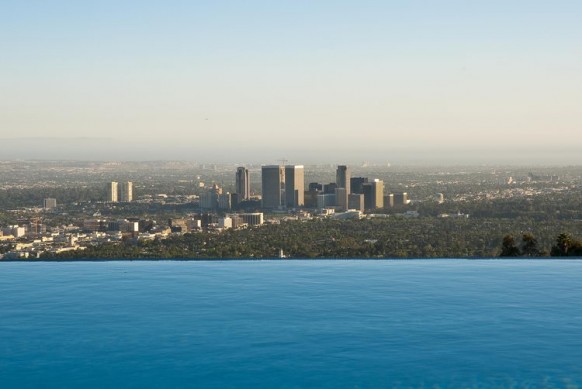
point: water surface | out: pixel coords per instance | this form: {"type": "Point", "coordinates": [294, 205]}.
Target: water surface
{"type": "Point", "coordinates": [346, 324]}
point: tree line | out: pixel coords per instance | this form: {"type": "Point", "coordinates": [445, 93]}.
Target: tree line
{"type": "Point", "coordinates": [564, 246]}
{"type": "Point", "coordinates": [368, 238]}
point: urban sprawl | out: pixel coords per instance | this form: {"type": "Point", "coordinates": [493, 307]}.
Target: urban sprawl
{"type": "Point", "coordinates": [81, 215]}
{"type": "Point", "coordinates": [283, 192]}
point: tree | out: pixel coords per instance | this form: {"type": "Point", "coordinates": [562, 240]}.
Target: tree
{"type": "Point", "coordinates": [529, 246]}
{"type": "Point", "coordinates": [563, 243]}
{"type": "Point", "coordinates": [509, 247]}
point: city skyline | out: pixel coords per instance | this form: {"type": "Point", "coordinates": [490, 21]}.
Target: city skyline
{"type": "Point", "coordinates": [401, 82]}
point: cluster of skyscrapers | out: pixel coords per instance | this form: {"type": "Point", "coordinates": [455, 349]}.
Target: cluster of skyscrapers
{"type": "Point", "coordinates": [283, 188]}
{"type": "Point", "coordinates": [123, 192]}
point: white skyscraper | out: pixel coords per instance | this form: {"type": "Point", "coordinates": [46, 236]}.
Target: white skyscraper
{"type": "Point", "coordinates": [126, 192]}
{"type": "Point", "coordinates": [294, 186]}
{"type": "Point", "coordinates": [112, 192]}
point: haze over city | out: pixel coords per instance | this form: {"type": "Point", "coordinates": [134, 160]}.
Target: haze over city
{"type": "Point", "coordinates": [413, 82]}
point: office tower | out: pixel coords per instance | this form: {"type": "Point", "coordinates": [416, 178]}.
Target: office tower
{"type": "Point", "coordinates": [235, 199]}
{"type": "Point", "coordinates": [224, 201]}
{"type": "Point", "coordinates": [342, 177]}
{"type": "Point", "coordinates": [126, 192]}
{"type": "Point", "coordinates": [243, 184]}
{"type": "Point", "coordinates": [325, 200]}
{"type": "Point", "coordinates": [356, 184]}
{"type": "Point", "coordinates": [112, 192]}
{"type": "Point", "coordinates": [373, 194]}
{"type": "Point", "coordinates": [341, 199]}
{"type": "Point", "coordinates": [356, 201]}
{"type": "Point", "coordinates": [294, 186]}
{"type": "Point", "coordinates": [401, 198]}
{"type": "Point", "coordinates": [389, 200]}
{"type": "Point", "coordinates": [50, 203]}
{"type": "Point", "coordinates": [209, 198]}
{"type": "Point", "coordinates": [342, 180]}
{"type": "Point", "coordinates": [310, 198]}
{"type": "Point", "coordinates": [273, 186]}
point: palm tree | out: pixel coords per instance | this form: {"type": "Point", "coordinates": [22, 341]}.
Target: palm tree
{"type": "Point", "coordinates": [563, 243]}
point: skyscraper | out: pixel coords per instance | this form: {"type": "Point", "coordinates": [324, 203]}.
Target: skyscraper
{"type": "Point", "coordinates": [356, 201]}
{"type": "Point", "coordinates": [209, 197]}
{"type": "Point", "coordinates": [224, 201]}
{"type": "Point", "coordinates": [112, 192]}
{"type": "Point", "coordinates": [389, 200]}
{"type": "Point", "coordinates": [342, 177]}
{"type": "Point", "coordinates": [356, 184]}
{"type": "Point", "coordinates": [373, 194]}
{"type": "Point", "coordinates": [126, 192]}
{"type": "Point", "coordinates": [243, 184]}
{"type": "Point", "coordinates": [294, 186]}
{"type": "Point", "coordinates": [342, 180]}
{"type": "Point", "coordinates": [401, 198]}
{"type": "Point", "coordinates": [341, 199]}
{"type": "Point", "coordinates": [273, 186]}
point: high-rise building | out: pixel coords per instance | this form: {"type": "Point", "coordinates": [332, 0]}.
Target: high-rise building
{"type": "Point", "coordinates": [112, 192]}
{"type": "Point", "coordinates": [243, 184]}
{"type": "Point", "coordinates": [389, 200]}
{"type": "Point", "coordinates": [401, 198]}
{"type": "Point", "coordinates": [209, 197]}
{"type": "Point", "coordinates": [356, 201]}
{"type": "Point", "coordinates": [50, 203]}
{"type": "Point", "coordinates": [373, 194]}
{"type": "Point", "coordinates": [325, 200]}
{"type": "Point", "coordinates": [126, 192]}
{"type": "Point", "coordinates": [342, 180]}
{"type": "Point", "coordinates": [294, 186]}
{"type": "Point", "coordinates": [224, 201]}
{"type": "Point", "coordinates": [342, 177]}
{"type": "Point", "coordinates": [273, 186]}
{"type": "Point", "coordinates": [341, 199]}
{"type": "Point", "coordinates": [356, 184]}
{"type": "Point", "coordinates": [310, 198]}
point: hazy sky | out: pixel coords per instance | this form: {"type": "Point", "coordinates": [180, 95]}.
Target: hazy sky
{"type": "Point", "coordinates": [296, 77]}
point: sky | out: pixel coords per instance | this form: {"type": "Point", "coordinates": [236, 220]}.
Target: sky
{"type": "Point", "coordinates": [302, 80]}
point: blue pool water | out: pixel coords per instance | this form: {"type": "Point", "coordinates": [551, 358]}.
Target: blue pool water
{"type": "Point", "coordinates": [337, 324]}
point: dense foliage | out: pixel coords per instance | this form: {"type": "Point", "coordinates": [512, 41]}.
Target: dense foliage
{"type": "Point", "coordinates": [564, 246]}
{"type": "Point", "coordinates": [368, 238]}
